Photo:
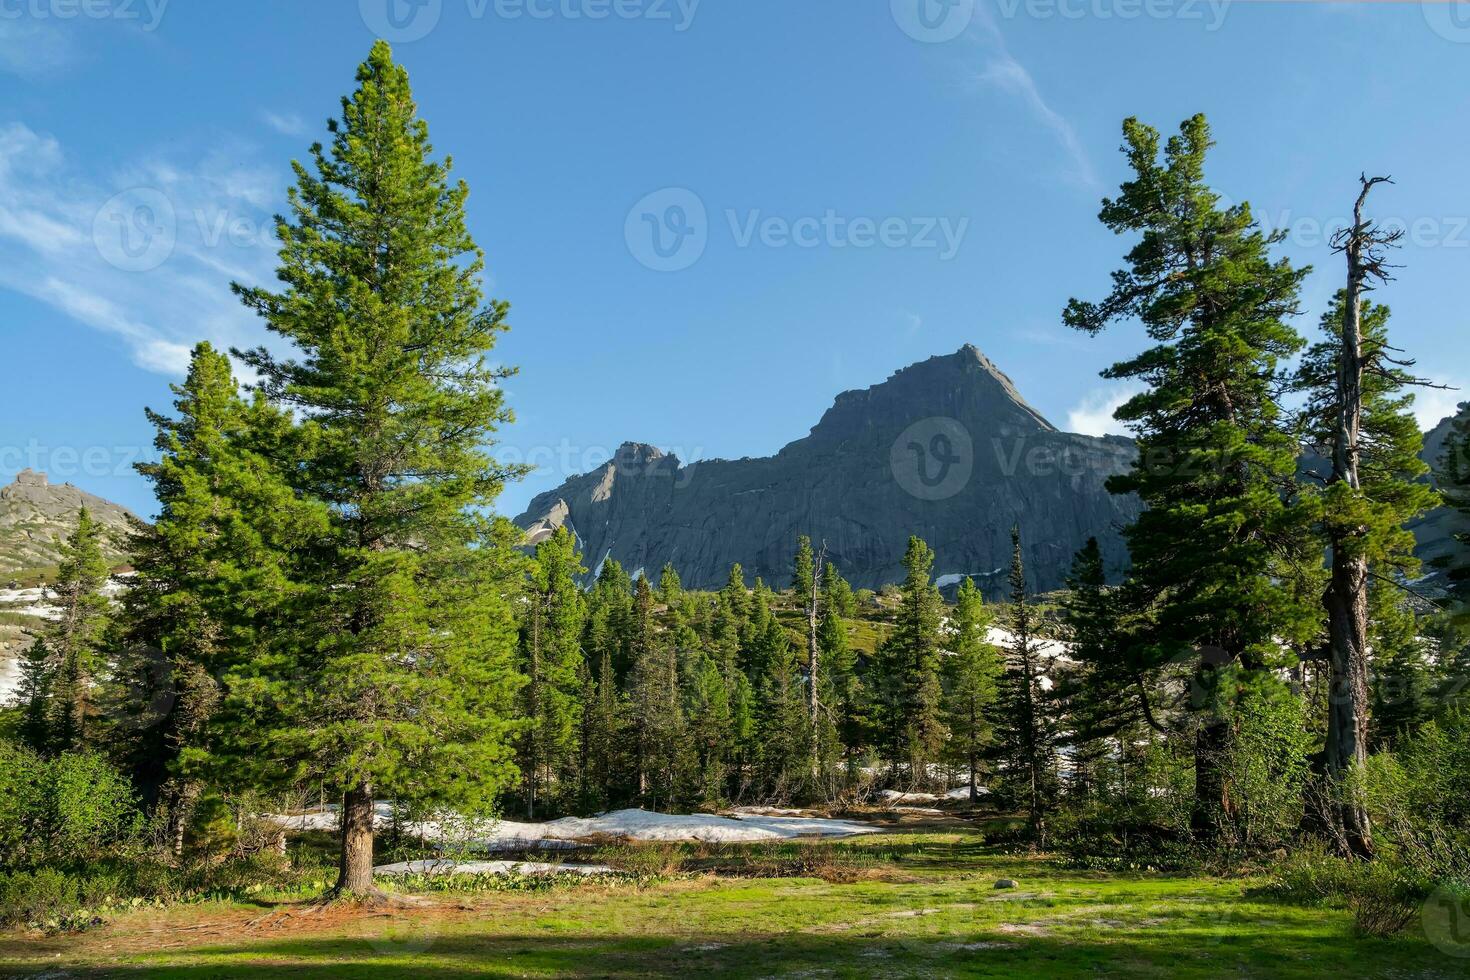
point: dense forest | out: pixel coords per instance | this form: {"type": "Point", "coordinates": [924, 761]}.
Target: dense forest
{"type": "Point", "coordinates": [328, 608]}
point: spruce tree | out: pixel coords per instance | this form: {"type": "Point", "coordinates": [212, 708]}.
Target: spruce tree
{"type": "Point", "coordinates": [972, 671]}
{"type": "Point", "coordinates": [655, 706]}
{"type": "Point", "coordinates": [74, 639]}
{"type": "Point", "coordinates": [806, 588]}
{"type": "Point", "coordinates": [1213, 455]}
{"type": "Point", "coordinates": [551, 661]}
{"type": "Point", "coordinates": [784, 730]}
{"type": "Point", "coordinates": [33, 695]}
{"type": "Point", "coordinates": [1454, 480]}
{"type": "Point", "coordinates": [710, 730]}
{"type": "Point", "coordinates": [915, 656]}
{"type": "Point", "coordinates": [403, 681]}
{"type": "Point", "coordinates": [1027, 735]}
{"type": "Point", "coordinates": [846, 696]}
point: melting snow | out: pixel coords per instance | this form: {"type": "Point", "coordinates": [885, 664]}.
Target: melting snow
{"type": "Point", "coordinates": [634, 824]}
{"type": "Point", "coordinates": [489, 868]}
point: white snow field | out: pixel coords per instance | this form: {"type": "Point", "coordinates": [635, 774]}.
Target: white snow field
{"type": "Point", "coordinates": [489, 868]}
{"type": "Point", "coordinates": [642, 825]}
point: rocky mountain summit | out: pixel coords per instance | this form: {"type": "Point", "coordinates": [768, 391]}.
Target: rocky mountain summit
{"type": "Point", "coordinates": [947, 449]}
{"type": "Point", "coordinates": [36, 515]}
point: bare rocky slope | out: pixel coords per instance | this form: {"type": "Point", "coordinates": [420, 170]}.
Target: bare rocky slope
{"type": "Point", "coordinates": [946, 449]}
{"type": "Point", "coordinates": [37, 515]}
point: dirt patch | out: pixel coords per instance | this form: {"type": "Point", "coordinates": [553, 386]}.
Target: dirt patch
{"type": "Point", "coordinates": [1023, 929]}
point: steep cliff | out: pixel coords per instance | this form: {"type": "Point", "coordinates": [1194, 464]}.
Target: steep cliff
{"type": "Point", "coordinates": [946, 449]}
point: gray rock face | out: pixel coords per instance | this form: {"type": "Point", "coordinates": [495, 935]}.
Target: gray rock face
{"type": "Point", "coordinates": [36, 515]}
{"type": "Point", "coordinates": [1435, 532]}
{"type": "Point", "coordinates": [946, 449]}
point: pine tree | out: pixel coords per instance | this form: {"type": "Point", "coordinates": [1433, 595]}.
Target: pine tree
{"type": "Point", "coordinates": [74, 639]}
{"type": "Point", "coordinates": [404, 682]}
{"type": "Point", "coordinates": [551, 660]}
{"type": "Point", "coordinates": [972, 671]}
{"type": "Point", "coordinates": [1358, 415]}
{"type": "Point", "coordinates": [1027, 736]}
{"type": "Point", "coordinates": [1212, 453]}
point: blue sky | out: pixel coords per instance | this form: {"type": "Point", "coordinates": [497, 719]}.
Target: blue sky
{"type": "Point", "coordinates": [857, 187]}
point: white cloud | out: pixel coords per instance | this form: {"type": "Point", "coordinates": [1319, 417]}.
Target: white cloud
{"type": "Point", "coordinates": [145, 253]}
{"type": "Point", "coordinates": [1093, 416]}
{"type": "Point", "coordinates": [285, 123]}
{"type": "Point", "coordinates": [1434, 405]}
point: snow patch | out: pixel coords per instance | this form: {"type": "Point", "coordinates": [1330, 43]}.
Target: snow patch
{"type": "Point", "coordinates": [489, 868]}
{"type": "Point", "coordinates": [508, 835]}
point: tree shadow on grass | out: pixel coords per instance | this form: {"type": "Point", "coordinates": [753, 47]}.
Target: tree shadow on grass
{"type": "Point", "coordinates": [417, 950]}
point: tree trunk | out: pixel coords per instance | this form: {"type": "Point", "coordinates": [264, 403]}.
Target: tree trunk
{"type": "Point", "coordinates": [1212, 802]}
{"type": "Point", "coordinates": [1347, 595]}
{"type": "Point", "coordinates": [185, 793]}
{"type": "Point", "coordinates": [355, 871]}
{"type": "Point", "coordinates": [1347, 704]}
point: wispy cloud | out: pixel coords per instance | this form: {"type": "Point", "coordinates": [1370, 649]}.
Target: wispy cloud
{"type": "Point", "coordinates": [1093, 416]}
{"type": "Point", "coordinates": [145, 252]}
{"type": "Point", "coordinates": [285, 123]}
{"type": "Point", "coordinates": [1003, 71]}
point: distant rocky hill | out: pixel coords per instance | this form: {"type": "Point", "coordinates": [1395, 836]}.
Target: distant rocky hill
{"type": "Point", "coordinates": [36, 515]}
{"type": "Point", "coordinates": [1436, 531]}
{"type": "Point", "coordinates": [946, 449]}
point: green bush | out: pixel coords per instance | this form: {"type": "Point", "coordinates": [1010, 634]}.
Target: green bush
{"type": "Point", "coordinates": [72, 807]}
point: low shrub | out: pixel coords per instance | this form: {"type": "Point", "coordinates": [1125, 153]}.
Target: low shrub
{"type": "Point", "coordinates": [1384, 896]}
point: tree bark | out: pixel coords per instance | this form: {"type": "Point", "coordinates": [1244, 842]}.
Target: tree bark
{"type": "Point", "coordinates": [355, 873]}
{"type": "Point", "coordinates": [1211, 789]}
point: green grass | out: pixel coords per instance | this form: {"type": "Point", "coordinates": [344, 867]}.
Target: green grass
{"type": "Point", "coordinates": [918, 904]}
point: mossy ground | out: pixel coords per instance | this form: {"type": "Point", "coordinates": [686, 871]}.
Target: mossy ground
{"type": "Point", "coordinates": [913, 903]}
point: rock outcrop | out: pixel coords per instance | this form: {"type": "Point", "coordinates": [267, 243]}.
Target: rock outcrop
{"type": "Point", "coordinates": [37, 515]}
{"type": "Point", "coordinates": [946, 449]}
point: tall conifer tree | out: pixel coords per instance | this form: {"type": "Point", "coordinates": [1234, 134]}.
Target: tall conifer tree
{"type": "Point", "coordinates": [404, 682]}
{"type": "Point", "coordinates": [1213, 454]}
